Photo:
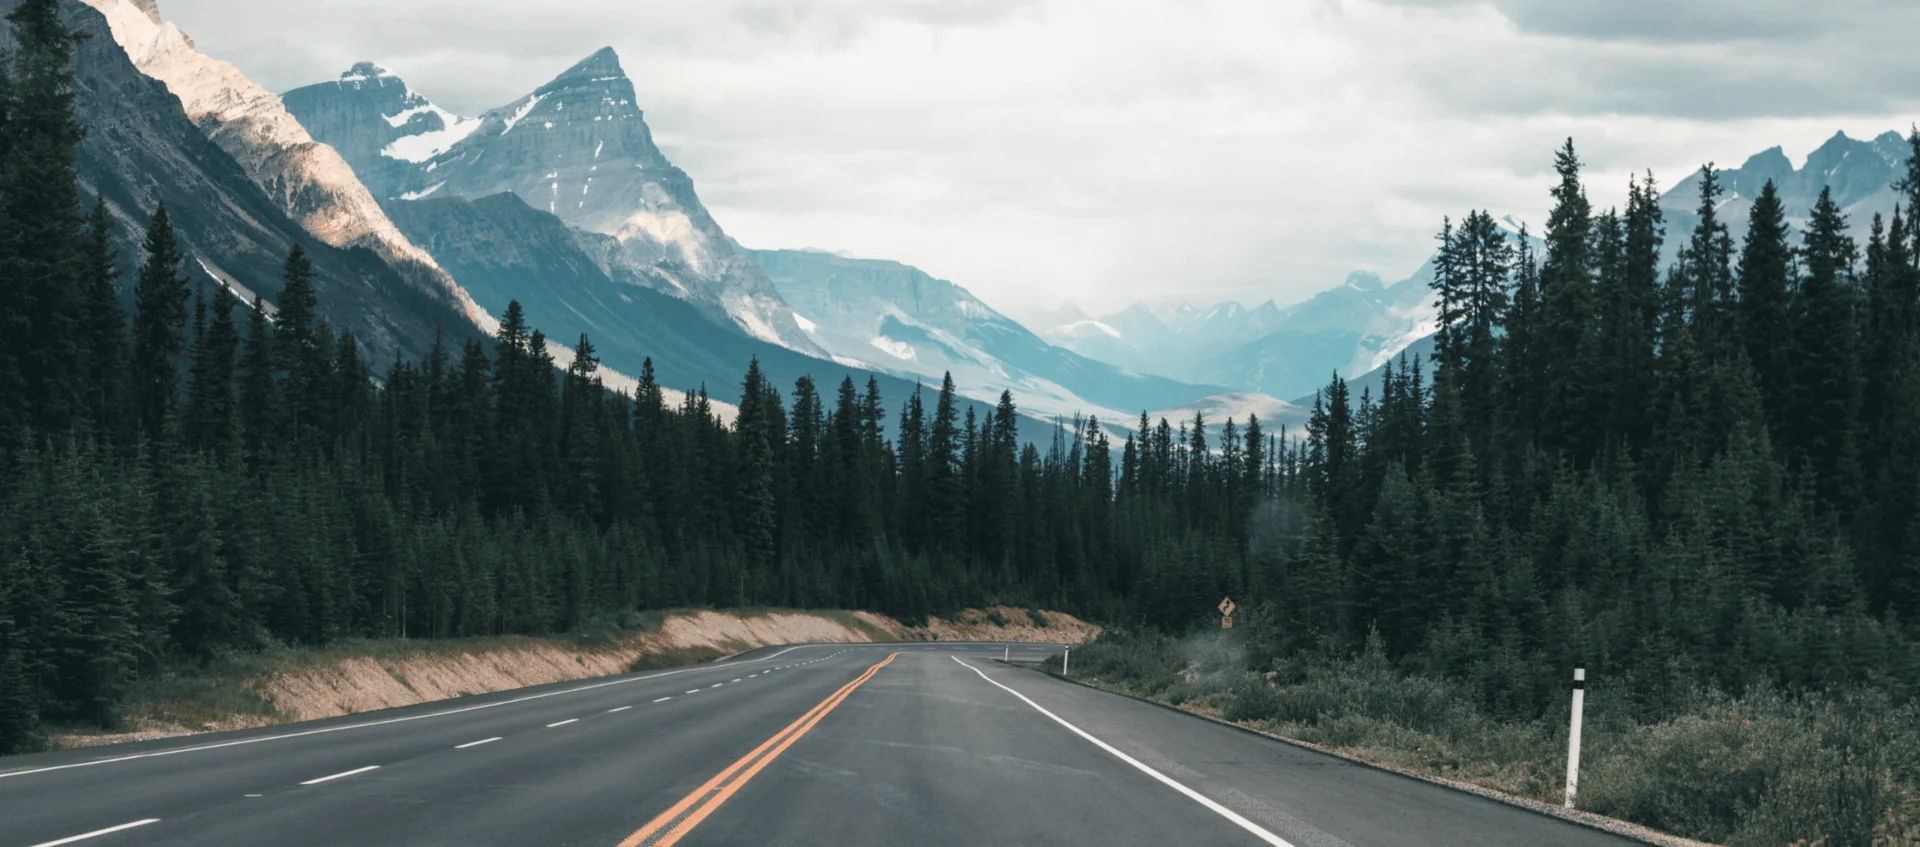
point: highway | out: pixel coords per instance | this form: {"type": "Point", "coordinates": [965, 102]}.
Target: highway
{"type": "Point", "coordinates": [917, 744]}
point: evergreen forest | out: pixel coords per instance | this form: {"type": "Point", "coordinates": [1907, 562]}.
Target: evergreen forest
{"type": "Point", "coordinates": [1702, 477]}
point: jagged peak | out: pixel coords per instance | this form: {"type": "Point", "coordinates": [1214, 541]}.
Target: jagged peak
{"type": "Point", "coordinates": [363, 71]}
{"type": "Point", "coordinates": [604, 64]}
{"type": "Point", "coordinates": [1769, 164]}
{"type": "Point", "coordinates": [152, 9]}
{"type": "Point", "coordinates": [1366, 281]}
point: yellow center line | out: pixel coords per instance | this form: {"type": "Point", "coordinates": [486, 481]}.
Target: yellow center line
{"type": "Point", "coordinates": [673, 824]}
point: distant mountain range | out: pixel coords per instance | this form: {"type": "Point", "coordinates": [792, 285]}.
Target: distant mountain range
{"type": "Point", "coordinates": [897, 318]}
{"type": "Point", "coordinates": [1280, 351]}
{"type": "Point", "coordinates": [422, 220]}
{"type": "Point", "coordinates": [562, 201]}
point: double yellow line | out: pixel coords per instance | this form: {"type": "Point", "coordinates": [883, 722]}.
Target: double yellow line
{"type": "Point", "coordinates": [673, 824]}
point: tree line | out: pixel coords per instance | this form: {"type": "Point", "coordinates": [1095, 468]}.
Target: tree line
{"type": "Point", "coordinates": [1703, 475]}
{"type": "Point", "coordinates": [1698, 478]}
{"type": "Point", "coordinates": [184, 474]}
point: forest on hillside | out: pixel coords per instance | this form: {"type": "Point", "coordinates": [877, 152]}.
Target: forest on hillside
{"type": "Point", "coordinates": [1702, 478]}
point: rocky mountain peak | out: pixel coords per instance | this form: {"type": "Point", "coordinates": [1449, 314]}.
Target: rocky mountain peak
{"type": "Point", "coordinates": [1365, 281]}
{"type": "Point", "coordinates": [602, 66]}
{"type": "Point", "coordinates": [365, 71]}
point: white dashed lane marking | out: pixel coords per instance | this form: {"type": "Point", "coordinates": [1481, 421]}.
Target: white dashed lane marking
{"type": "Point", "coordinates": [563, 723]}
{"type": "Point", "coordinates": [96, 833]}
{"type": "Point", "coordinates": [341, 774]}
{"type": "Point", "coordinates": [476, 743]}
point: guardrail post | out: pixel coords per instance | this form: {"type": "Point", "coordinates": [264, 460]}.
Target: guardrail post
{"type": "Point", "coordinates": [1573, 737]}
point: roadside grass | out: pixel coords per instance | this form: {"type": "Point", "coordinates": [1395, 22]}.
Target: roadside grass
{"type": "Point", "coordinates": [1765, 769]}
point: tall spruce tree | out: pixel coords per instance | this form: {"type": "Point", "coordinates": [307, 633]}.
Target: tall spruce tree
{"type": "Point", "coordinates": [42, 271]}
{"type": "Point", "coordinates": [159, 328]}
{"type": "Point", "coordinates": [1766, 301]}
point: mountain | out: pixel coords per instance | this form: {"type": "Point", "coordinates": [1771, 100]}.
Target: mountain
{"type": "Point", "coordinates": [578, 148]}
{"type": "Point", "coordinates": [503, 249]}
{"type": "Point", "coordinates": [141, 149]}
{"type": "Point", "coordinates": [899, 319]}
{"type": "Point", "coordinates": [380, 125]}
{"type": "Point", "coordinates": [306, 179]}
{"type": "Point", "coordinates": [1860, 173]}
{"type": "Point", "coordinates": [1268, 349]}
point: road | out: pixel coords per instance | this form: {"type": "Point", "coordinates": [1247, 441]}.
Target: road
{"type": "Point", "coordinates": [924, 744]}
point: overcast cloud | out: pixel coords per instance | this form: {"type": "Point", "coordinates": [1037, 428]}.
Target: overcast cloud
{"type": "Point", "coordinates": [1107, 151]}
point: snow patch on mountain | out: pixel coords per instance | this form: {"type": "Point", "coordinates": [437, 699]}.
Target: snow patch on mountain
{"type": "Point", "coordinates": [309, 179]}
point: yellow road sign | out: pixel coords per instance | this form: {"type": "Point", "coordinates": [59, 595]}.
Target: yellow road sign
{"type": "Point", "coordinates": [1227, 607]}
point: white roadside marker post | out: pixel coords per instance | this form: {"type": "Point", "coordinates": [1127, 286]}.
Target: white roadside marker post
{"type": "Point", "coordinates": [1006, 653]}
{"type": "Point", "coordinates": [1065, 657]}
{"type": "Point", "coordinates": [1573, 737]}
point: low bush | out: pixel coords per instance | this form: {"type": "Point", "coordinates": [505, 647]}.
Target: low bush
{"type": "Point", "coordinates": [1766, 768]}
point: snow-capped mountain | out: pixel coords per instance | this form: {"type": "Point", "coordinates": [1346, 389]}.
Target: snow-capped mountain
{"type": "Point", "coordinates": [577, 148]}
{"type": "Point", "coordinates": [1269, 349]}
{"type": "Point", "coordinates": [142, 149]}
{"type": "Point", "coordinates": [899, 319]}
{"type": "Point", "coordinates": [376, 122]}
{"type": "Point", "coordinates": [308, 180]}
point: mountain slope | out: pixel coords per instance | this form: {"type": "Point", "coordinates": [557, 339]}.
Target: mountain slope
{"type": "Point", "coordinates": [900, 319]}
{"type": "Point", "coordinates": [308, 180]}
{"type": "Point", "coordinates": [578, 148]}
{"type": "Point", "coordinates": [503, 249]}
{"type": "Point", "coordinates": [141, 149]}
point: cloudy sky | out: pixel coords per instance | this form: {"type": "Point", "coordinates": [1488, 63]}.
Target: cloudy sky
{"type": "Point", "coordinates": [1106, 151]}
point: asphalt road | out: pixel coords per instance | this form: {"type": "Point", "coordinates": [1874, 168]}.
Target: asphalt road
{"type": "Point", "coordinates": [925, 744]}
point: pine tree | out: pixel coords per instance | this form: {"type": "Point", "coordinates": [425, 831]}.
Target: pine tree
{"type": "Point", "coordinates": [42, 363]}
{"type": "Point", "coordinates": [1765, 302]}
{"type": "Point", "coordinates": [946, 497]}
{"type": "Point", "coordinates": [1824, 402]}
{"type": "Point", "coordinates": [159, 325]}
{"type": "Point", "coordinates": [256, 410]}
{"type": "Point", "coordinates": [210, 415]}
{"type": "Point", "coordinates": [1567, 308]}
{"type": "Point", "coordinates": [105, 323]}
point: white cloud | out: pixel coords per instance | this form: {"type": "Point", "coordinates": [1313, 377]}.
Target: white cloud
{"type": "Point", "coordinates": [1103, 151]}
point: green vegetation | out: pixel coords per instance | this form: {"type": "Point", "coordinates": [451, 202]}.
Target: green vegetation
{"type": "Point", "coordinates": [1701, 483]}
{"type": "Point", "coordinates": [1763, 769]}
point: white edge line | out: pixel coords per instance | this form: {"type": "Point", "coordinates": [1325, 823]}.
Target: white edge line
{"type": "Point", "coordinates": [563, 723]}
{"type": "Point", "coordinates": [438, 714]}
{"type": "Point", "coordinates": [341, 774]}
{"type": "Point", "coordinates": [476, 743]}
{"type": "Point", "coordinates": [1257, 830]}
{"type": "Point", "coordinates": [98, 832]}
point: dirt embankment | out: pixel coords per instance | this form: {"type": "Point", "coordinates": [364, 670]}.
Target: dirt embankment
{"type": "Point", "coordinates": [306, 685]}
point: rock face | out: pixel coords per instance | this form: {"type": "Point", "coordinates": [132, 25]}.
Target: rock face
{"type": "Point", "coordinates": [308, 180]}
{"type": "Point", "coordinates": [900, 319]}
{"type": "Point", "coordinates": [141, 149]}
{"type": "Point", "coordinates": [379, 125]}
{"type": "Point", "coordinates": [578, 148]}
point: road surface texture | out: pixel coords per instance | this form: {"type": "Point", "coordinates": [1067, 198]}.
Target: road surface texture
{"type": "Point", "coordinates": [814, 746]}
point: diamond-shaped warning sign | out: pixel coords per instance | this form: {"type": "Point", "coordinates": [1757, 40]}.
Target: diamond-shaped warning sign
{"type": "Point", "coordinates": [1227, 607]}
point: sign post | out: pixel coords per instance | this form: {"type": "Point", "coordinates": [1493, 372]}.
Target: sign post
{"type": "Point", "coordinates": [1226, 613]}
{"type": "Point", "coordinates": [1573, 737]}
